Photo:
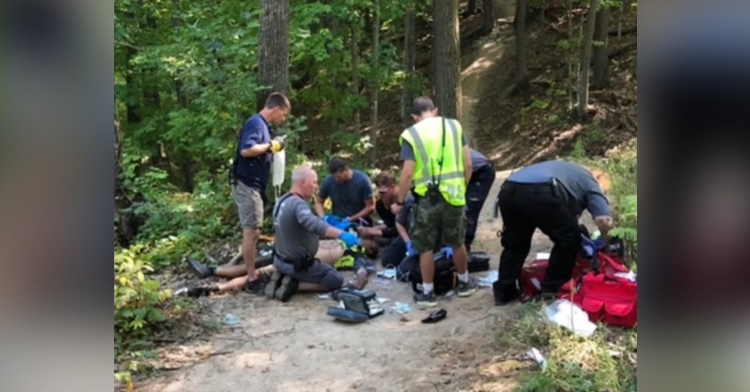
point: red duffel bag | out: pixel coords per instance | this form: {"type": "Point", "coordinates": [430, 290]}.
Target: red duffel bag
{"type": "Point", "coordinates": [611, 299]}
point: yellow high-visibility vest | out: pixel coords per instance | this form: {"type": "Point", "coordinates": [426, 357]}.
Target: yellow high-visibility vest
{"type": "Point", "coordinates": [426, 139]}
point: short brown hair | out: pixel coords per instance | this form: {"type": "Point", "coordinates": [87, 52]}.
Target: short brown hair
{"type": "Point", "coordinates": [277, 100]}
{"type": "Point", "coordinates": [421, 105]}
{"type": "Point", "coordinates": [385, 178]}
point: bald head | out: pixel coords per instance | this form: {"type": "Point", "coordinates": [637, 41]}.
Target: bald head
{"type": "Point", "coordinates": [304, 181]}
{"type": "Point", "coordinates": [302, 173]}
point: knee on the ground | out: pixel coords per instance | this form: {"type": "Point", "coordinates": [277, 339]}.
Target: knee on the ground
{"type": "Point", "coordinates": [333, 280]}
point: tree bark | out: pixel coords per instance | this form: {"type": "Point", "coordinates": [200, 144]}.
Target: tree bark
{"type": "Point", "coordinates": [410, 57]}
{"type": "Point", "coordinates": [375, 86]}
{"type": "Point", "coordinates": [355, 70]}
{"type": "Point", "coordinates": [520, 24]}
{"type": "Point", "coordinates": [471, 9]}
{"type": "Point", "coordinates": [601, 54]}
{"type": "Point", "coordinates": [583, 82]}
{"type": "Point", "coordinates": [273, 49]}
{"type": "Point", "coordinates": [446, 58]}
{"type": "Point", "coordinates": [488, 17]}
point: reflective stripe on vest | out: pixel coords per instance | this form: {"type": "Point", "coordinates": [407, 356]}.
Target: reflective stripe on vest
{"type": "Point", "coordinates": [451, 178]}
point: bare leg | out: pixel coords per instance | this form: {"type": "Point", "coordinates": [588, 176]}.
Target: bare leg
{"type": "Point", "coordinates": [230, 272]}
{"type": "Point", "coordinates": [360, 279]}
{"type": "Point", "coordinates": [239, 281]}
{"type": "Point", "coordinates": [460, 259]}
{"type": "Point", "coordinates": [249, 242]}
{"type": "Point", "coordinates": [427, 266]}
{"type": "Point", "coordinates": [236, 260]}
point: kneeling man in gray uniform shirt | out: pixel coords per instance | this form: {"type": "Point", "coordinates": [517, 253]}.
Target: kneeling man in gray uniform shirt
{"type": "Point", "coordinates": [297, 240]}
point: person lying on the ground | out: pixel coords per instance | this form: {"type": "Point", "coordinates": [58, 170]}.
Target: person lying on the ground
{"type": "Point", "coordinates": [400, 249]}
{"type": "Point", "coordinates": [298, 232]}
{"type": "Point", "coordinates": [237, 275]}
{"type": "Point", "coordinates": [330, 252]}
{"type": "Point", "coordinates": [350, 192]}
{"type": "Point", "coordinates": [373, 238]}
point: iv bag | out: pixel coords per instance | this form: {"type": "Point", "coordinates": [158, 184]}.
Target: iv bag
{"type": "Point", "coordinates": [278, 168]}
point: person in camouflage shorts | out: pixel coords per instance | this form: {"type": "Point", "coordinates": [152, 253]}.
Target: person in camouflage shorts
{"type": "Point", "coordinates": [439, 224]}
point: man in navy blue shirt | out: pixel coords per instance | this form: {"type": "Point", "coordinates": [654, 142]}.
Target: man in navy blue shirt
{"type": "Point", "coordinates": [253, 157]}
{"type": "Point", "coordinates": [550, 196]}
{"type": "Point", "coordinates": [350, 192]}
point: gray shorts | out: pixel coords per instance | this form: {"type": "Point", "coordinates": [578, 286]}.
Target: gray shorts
{"type": "Point", "coordinates": [319, 273]}
{"type": "Point", "coordinates": [249, 206]}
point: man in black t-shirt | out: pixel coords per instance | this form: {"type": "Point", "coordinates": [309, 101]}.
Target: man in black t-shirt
{"type": "Point", "coordinates": [382, 235]}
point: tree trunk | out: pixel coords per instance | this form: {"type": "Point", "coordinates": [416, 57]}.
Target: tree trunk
{"type": "Point", "coordinates": [601, 54]}
{"type": "Point", "coordinates": [410, 58]}
{"type": "Point", "coordinates": [273, 49]}
{"type": "Point", "coordinates": [488, 17]}
{"type": "Point", "coordinates": [375, 86]}
{"type": "Point", "coordinates": [446, 58]}
{"type": "Point", "coordinates": [355, 71]}
{"type": "Point", "coordinates": [520, 24]}
{"type": "Point", "coordinates": [471, 9]}
{"type": "Point", "coordinates": [583, 82]}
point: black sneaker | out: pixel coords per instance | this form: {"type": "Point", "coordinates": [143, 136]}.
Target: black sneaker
{"type": "Point", "coordinates": [287, 288]}
{"type": "Point", "coordinates": [273, 284]}
{"type": "Point", "coordinates": [199, 269]}
{"type": "Point", "coordinates": [503, 298]}
{"type": "Point", "coordinates": [466, 289]}
{"type": "Point", "coordinates": [426, 300]}
{"type": "Point", "coordinates": [254, 287]}
{"type": "Point", "coordinates": [201, 291]}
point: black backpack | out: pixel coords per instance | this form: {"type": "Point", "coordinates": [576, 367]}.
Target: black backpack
{"type": "Point", "coordinates": [446, 278]}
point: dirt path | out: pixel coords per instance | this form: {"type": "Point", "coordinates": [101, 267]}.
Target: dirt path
{"type": "Point", "coordinates": [479, 63]}
{"type": "Point", "coordinates": [297, 347]}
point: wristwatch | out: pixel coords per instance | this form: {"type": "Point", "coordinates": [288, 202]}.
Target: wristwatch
{"type": "Point", "coordinates": [399, 203]}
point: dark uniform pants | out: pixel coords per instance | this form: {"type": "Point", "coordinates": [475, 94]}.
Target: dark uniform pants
{"type": "Point", "coordinates": [476, 194]}
{"type": "Point", "coordinates": [525, 207]}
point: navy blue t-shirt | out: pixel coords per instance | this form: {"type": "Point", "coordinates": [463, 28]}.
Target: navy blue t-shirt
{"type": "Point", "coordinates": [347, 199]}
{"type": "Point", "coordinates": [254, 172]}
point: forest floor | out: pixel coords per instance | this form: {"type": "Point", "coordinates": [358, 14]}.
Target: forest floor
{"type": "Point", "coordinates": [297, 347]}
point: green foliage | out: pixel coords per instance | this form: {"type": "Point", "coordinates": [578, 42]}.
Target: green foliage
{"type": "Point", "coordinates": [140, 303]}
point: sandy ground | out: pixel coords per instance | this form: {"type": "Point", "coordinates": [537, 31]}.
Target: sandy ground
{"type": "Point", "coordinates": [297, 347]}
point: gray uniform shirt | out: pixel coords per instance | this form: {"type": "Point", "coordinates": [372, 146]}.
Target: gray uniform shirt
{"type": "Point", "coordinates": [297, 229]}
{"type": "Point", "coordinates": [579, 182]}
{"type": "Point", "coordinates": [478, 160]}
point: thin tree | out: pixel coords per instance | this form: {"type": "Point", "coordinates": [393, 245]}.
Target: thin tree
{"type": "Point", "coordinates": [488, 17]}
{"type": "Point", "coordinates": [273, 49]}
{"type": "Point", "coordinates": [583, 81]}
{"type": "Point", "coordinates": [410, 53]}
{"type": "Point", "coordinates": [446, 57]}
{"type": "Point", "coordinates": [522, 83]}
{"type": "Point", "coordinates": [375, 86]}
{"type": "Point", "coordinates": [601, 52]}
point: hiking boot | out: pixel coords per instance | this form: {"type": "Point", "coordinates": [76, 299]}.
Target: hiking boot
{"type": "Point", "coordinates": [466, 289]}
{"type": "Point", "coordinates": [503, 298]}
{"type": "Point", "coordinates": [201, 291]}
{"type": "Point", "coordinates": [254, 287]}
{"type": "Point", "coordinates": [286, 289]}
{"type": "Point", "coordinates": [200, 270]}
{"type": "Point", "coordinates": [273, 284]}
{"type": "Point", "coordinates": [426, 300]}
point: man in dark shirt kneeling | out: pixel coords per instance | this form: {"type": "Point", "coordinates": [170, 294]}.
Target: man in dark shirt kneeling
{"type": "Point", "coordinates": [550, 196]}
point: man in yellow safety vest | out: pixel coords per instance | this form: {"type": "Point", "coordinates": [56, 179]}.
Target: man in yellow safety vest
{"type": "Point", "coordinates": [437, 168]}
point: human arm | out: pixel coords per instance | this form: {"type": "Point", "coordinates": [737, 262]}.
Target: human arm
{"type": "Point", "coordinates": [468, 170]}
{"type": "Point", "coordinates": [369, 199]}
{"type": "Point", "coordinates": [402, 232]}
{"type": "Point", "coordinates": [407, 172]}
{"type": "Point", "coordinates": [598, 206]}
{"type": "Point", "coordinates": [309, 221]}
{"type": "Point", "coordinates": [251, 135]}
{"type": "Point", "coordinates": [323, 194]}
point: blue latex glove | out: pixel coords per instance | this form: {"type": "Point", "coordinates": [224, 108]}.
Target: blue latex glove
{"type": "Point", "coordinates": [409, 250]}
{"type": "Point", "coordinates": [350, 240]}
{"type": "Point", "coordinates": [448, 251]}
